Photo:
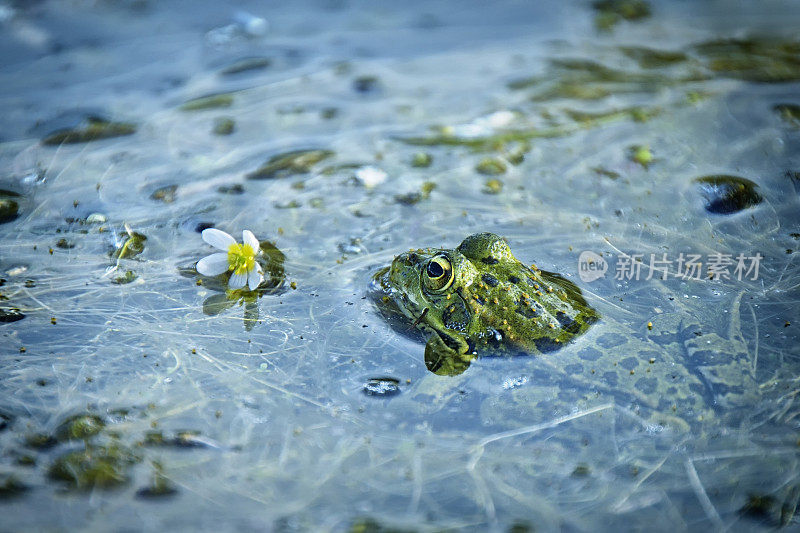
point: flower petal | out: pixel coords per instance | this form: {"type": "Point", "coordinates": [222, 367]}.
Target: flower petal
{"type": "Point", "coordinates": [249, 238]}
{"type": "Point", "coordinates": [213, 265]}
{"type": "Point", "coordinates": [218, 238]}
{"type": "Point", "coordinates": [254, 279]}
{"type": "Point", "coordinates": [237, 281]}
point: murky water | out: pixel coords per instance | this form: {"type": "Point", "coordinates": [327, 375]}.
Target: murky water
{"type": "Point", "coordinates": [344, 133]}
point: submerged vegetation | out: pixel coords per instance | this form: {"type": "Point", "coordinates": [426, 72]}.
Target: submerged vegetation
{"type": "Point", "coordinates": [290, 163]}
{"type": "Point", "coordinates": [260, 386]}
{"type": "Point", "coordinates": [725, 195]}
{"type": "Point", "coordinates": [92, 129]}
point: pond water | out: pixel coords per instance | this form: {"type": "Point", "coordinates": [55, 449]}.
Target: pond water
{"type": "Point", "coordinates": [138, 395]}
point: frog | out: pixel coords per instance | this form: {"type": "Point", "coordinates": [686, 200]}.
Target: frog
{"type": "Point", "coordinates": [478, 300]}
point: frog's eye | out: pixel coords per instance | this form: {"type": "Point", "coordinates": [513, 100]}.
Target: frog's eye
{"type": "Point", "coordinates": [438, 274]}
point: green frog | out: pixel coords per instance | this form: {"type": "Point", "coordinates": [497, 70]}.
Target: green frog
{"type": "Point", "coordinates": [479, 300]}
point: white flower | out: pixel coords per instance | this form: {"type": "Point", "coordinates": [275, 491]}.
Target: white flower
{"type": "Point", "coordinates": [240, 259]}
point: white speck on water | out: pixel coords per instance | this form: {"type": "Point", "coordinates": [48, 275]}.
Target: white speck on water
{"type": "Point", "coordinates": [371, 176]}
{"type": "Point", "coordinates": [513, 383]}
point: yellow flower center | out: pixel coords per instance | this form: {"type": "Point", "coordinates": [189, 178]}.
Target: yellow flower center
{"type": "Point", "coordinates": [241, 258]}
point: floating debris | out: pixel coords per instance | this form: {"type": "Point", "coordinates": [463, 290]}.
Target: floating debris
{"type": "Point", "coordinates": [652, 58]}
{"type": "Point", "coordinates": [370, 176]}
{"type": "Point", "coordinates": [289, 163]}
{"type": "Point", "coordinates": [212, 101]}
{"type": "Point", "coordinates": [493, 186]}
{"type": "Point", "coordinates": [765, 60]}
{"type": "Point", "coordinates": [132, 247]}
{"type": "Point", "coordinates": [96, 218]}
{"type": "Point", "coordinates": [10, 314]}
{"type": "Point", "coordinates": [165, 194]}
{"type": "Point", "coordinates": [384, 387]}
{"type": "Point", "coordinates": [128, 277]}
{"type": "Point", "coordinates": [600, 171]}
{"type": "Point", "coordinates": [65, 244]}
{"type": "Point", "coordinates": [416, 196]}
{"type": "Point", "coordinates": [160, 486]}
{"type": "Point", "coordinates": [352, 246]}
{"type": "Point", "coordinates": [491, 166]}
{"type": "Point", "coordinates": [366, 84]}
{"type": "Point", "coordinates": [91, 129]}
{"type": "Point", "coordinates": [246, 64]}
{"type": "Point", "coordinates": [328, 113]}
{"type": "Point", "coordinates": [11, 487]}
{"type": "Point", "coordinates": [94, 467]}
{"type": "Point", "coordinates": [181, 439]}
{"type": "Point", "coordinates": [612, 12]}
{"type": "Point", "coordinates": [641, 154]}
{"type": "Point", "coordinates": [79, 427]}
{"type": "Point", "coordinates": [422, 160]}
{"type": "Point", "coordinates": [40, 441]}
{"type": "Point", "coordinates": [581, 470]}
{"type": "Point", "coordinates": [728, 194]}
{"type": "Point", "coordinates": [236, 188]}
{"type": "Point", "coordinates": [9, 206]}
{"type": "Point", "coordinates": [789, 113]}
{"type": "Point", "coordinates": [223, 126]}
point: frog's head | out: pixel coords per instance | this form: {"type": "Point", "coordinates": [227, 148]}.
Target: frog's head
{"type": "Point", "coordinates": [427, 285]}
{"type": "Point", "coordinates": [423, 282]}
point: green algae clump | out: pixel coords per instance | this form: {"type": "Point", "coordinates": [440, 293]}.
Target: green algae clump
{"type": "Point", "coordinates": [493, 186]}
{"type": "Point", "coordinates": [789, 113]}
{"type": "Point", "coordinates": [11, 487]}
{"type": "Point", "coordinates": [79, 427]}
{"type": "Point", "coordinates": [212, 101]}
{"type": "Point", "coordinates": [491, 166]}
{"type": "Point", "coordinates": [102, 467]}
{"type": "Point", "coordinates": [165, 194]}
{"type": "Point", "coordinates": [422, 160]}
{"type": "Point", "coordinates": [160, 486]}
{"type": "Point", "coordinates": [726, 195]}
{"type": "Point", "coordinates": [9, 206]}
{"type": "Point", "coordinates": [612, 12]}
{"type": "Point", "coordinates": [641, 154]}
{"type": "Point", "coordinates": [288, 163]}
{"type": "Point", "coordinates": [756, 59]}
{"type": "Point", "coordinates": [93, 129]}
{"type": "Point", "coordinates": [223, 126]}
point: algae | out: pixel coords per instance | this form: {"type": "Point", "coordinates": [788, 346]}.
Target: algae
{"type": "Point", "coordinates": [609, 13]}
{"type": "Point", "coordinates": [165, 194]}
{"type": "Point", "coordinates": [79, 427]}
{"type": "Point", "coordinates": [212, 101]}
{"type": "Point", "coordinates": [9, 206]}
{"type": "Point", "coordinates": [491, 166]}
{"type": "Point", "coordinates": [102, 467]}
{"type": "Point", "coordinates": [789, 113]}
{"type": "Point", "coordinates": [223, 126]}
{"type": "Point", "coordinates": [493, 186]}
{"type": "Point", "coordinates": [92, 129]}
{"type": "Point", "coordinates": [422, 160]}
{"type": "Point", "coordinates": [726, 195]}
{"type": "Point", "coordinates": [289, 163]}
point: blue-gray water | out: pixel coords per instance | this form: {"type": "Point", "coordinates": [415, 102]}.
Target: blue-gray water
{"type": "Point", "coordinates": [251, 414]}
